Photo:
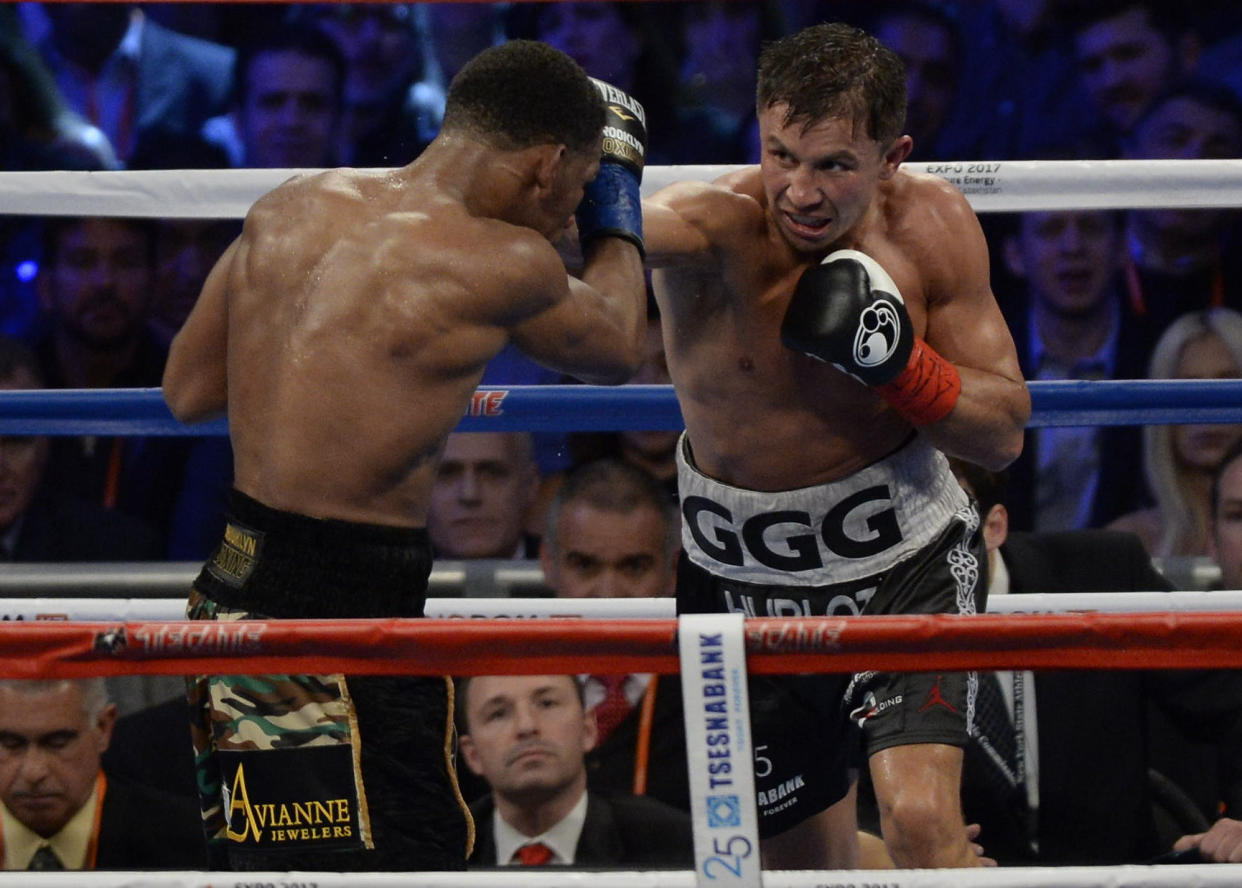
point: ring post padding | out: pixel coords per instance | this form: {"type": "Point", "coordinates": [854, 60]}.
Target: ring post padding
{"type": "Point", "coordinates": [719, 750]}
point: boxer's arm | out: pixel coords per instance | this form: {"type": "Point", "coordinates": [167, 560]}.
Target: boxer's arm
{"type": "Point", "coordinates": [671, 223]}
{"type": "Point", "coordinates": [592, 327]}
{"type": "Point", "coordinates": [196, 374]}
{"type": "Point", "coordinates": [674, 229]}
{"type": "Point", "coordinates": [690, 223]}
{"type": "Point", "coordinates": [966, 327]}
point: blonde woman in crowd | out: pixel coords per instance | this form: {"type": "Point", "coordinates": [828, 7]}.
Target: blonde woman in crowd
{"type": "Point", "coordinates": [1179, 460]}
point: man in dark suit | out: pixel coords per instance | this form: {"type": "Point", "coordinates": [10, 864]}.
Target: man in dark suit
{"type": "Point", "coordinates": [1082, 793]}
{"type": "Point", "coordinates": [528, 736]}
{"type": "Point", "coordinates": [1070, 319]}
{"type": "Point", "coordinates": [59, 809]}
{"type": "Point", "coordinates": [39, 523]}
{"type": "Point", "coordinates": [95, 284]}
{"type": "Point", "coordinates": [613, 532]}
{"type": "Point", "coordinates": [128, 75]}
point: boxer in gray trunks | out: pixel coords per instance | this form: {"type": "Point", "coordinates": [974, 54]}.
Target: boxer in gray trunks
{"type": "Point", "coordinates": [899, 536]}
{"type": "Point", "coordinates": [828, 318]}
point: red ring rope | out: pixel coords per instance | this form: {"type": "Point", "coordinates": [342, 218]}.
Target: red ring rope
{"type": "Point", "coordinates": [474, 647]}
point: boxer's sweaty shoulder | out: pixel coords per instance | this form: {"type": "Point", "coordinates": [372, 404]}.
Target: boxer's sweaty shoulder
{"type": "Point", "coordinates": [379, 305]}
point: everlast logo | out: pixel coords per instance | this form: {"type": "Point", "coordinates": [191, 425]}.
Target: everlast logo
{"type": "Point", "coordinates": [616, 97]}
{"type": "Point", "coordinates": [728, 544]}
{"type": "Point", "coordinates": [275, 822]}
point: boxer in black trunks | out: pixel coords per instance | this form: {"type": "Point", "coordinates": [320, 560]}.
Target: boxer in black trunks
{"type": "Point", "coordinates": [344, 333]}
{"type": "Point", "coordinates": [831, 333]}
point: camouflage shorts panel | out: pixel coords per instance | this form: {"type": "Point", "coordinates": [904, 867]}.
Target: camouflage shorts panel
{"type": "Point", "coordinates": [271, 711]}
{"type": "Point", "coordinates": [250, 713]}
{"type": "Point", "coordinates": [253, 712]}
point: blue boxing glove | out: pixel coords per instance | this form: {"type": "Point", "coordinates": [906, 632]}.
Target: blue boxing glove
{"type": "Point", "coordinates": [847, 312]}
{"type": "Point", "coordinates": [611, 204]}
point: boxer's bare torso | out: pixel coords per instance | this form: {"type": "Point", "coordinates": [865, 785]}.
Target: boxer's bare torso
{"type": "Point", "coordinates": [764, 417]}
{"type": "Point", "coordinates": [357, 312]}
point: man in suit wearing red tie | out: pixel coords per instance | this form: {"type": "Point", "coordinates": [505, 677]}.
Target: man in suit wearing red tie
{"type": "Point", "coordinates": [528, 736]}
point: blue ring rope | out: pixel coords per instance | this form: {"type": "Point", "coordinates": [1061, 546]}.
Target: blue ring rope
{"type": "Point", "coordinates": [565, 408]}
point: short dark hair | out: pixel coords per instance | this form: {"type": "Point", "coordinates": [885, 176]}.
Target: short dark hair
{"type": "Point", "coordinates": [614, 485]}
{"type": "Point", "coordinates": [835, 70]}
{"type": "Point", "coordinates": [525, 93]}
{"type": "Point", "coordinates": [298, 37]}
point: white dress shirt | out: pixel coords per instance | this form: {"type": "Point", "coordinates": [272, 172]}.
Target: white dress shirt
{"type": "Point", "coordinates": [561, 838]}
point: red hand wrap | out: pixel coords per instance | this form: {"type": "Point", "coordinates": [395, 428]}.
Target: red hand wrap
{"type": "Point", "coordinates": [926, 391]}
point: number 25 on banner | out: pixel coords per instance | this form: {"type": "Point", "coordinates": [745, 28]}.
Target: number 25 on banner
{"type": "Point", "coordinates": [727, 861]}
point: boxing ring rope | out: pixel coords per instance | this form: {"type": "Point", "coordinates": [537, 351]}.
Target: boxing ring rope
{"type": "Point", "coordinates": [905, 643]}
{"type": "Point", "coordinates": [459, 583]}
{"type": "Point", "coordinates": [18, 609]}
{"type": "Point", "coordinates": [990, 186]}
{"type": "Point", "coordinates": [991, 641]}
{"type": "Point", "coordinates": [568, 408]}
{"type": "Point", "coordinates": [1190, 631]}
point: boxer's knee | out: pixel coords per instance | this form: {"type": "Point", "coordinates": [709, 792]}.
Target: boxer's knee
{"type": "Point", "coordinates": [919, 832]}
{"type": "Point", "coordinates": [918, 793]}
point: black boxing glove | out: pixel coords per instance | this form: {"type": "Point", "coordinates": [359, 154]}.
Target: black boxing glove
{"type": "Point", "coordinates": [847, 312]}
{"type": "Point", "coordinates": [611, 204]}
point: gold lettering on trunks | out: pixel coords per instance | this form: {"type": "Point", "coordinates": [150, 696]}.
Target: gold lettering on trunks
{"type": "Point", "coordinates": [239, 799]}
{"type": "Point", "coordinates": [237, 553]}
{"type": "Point", "coordinates": [285, 821]}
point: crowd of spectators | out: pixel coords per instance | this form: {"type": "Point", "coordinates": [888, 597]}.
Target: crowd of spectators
{"type": "Point", "coordinates": [94, 303]}
{"type": "Point", "coordinates": [145, 86]}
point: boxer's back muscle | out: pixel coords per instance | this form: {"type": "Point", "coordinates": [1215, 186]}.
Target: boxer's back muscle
{"type": "Point", "coordinates": [356, 338]}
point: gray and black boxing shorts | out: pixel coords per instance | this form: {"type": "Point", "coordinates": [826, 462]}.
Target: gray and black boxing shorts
{"type": "Point", "coordinates": [898, 537]}
{"type": "Point", "coordinates": [323, 772]}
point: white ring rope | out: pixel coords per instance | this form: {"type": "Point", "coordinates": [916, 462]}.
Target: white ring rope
{"type": "Point", "coordinates": [1216, 875]}
{"type": "Point", "coordinates": [157, 609]}
{"type": "Point", "coordinates": [477, 578]}
{"type": "Point", "coordinates": [990, 186]}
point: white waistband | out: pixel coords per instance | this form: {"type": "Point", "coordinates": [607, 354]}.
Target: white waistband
{"type": "Point", "coordinates": [838, 532]}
